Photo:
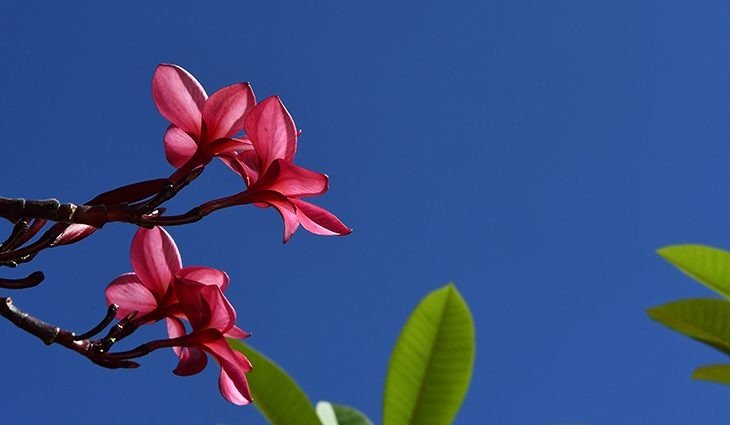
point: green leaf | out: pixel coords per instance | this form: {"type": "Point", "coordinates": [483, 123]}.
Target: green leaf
{"type": "Point", "coordinates": [432, 361]}
{"type": "Point", "coordinates": [719, 373]}
{"type": "Point", "coordinates": [706, 320]}
{"type": "Point", "coordinates": [275, 393]}
{"type": "Point", "coordinates": [710, 266]}
{"type": "Point", "coordinates": [350, 416]}
{"type": "Point", "coordinates": [338, 414]}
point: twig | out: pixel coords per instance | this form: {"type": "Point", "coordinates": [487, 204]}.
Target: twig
{"type": "Point", "coordinates": [29, 281]}
{"type": "Point", "coordinates": [93, 350]}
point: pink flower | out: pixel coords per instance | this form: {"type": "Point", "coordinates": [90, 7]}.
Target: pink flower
{"type": "Point", "coordinates": [272, 177]}
{"type": "Point", "coordinates": [201, 126]}
{"type": "Point", "coordinates": [212, 318]}
{"type": "Point", "coordinates": [149, 290]}
{"type": "Point", "coordinates": [160, 288]}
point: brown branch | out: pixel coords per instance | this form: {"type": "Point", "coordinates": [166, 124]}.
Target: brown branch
{"type": "Point", "coordinates": [137, 203]}
{"type": "Point", "coordinates": [96, 351]}
{"type": "Point", "coordinates": [195, 214]}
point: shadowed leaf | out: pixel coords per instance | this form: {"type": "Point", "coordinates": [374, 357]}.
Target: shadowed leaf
{"type": "Point", "coordinates": [338, 414]}
{"type": "Point", "coordinates": [719, 373]}
{"type": "Point", "coordinates": [706, 320]}
{"type": "Point", "coordinates": [275, 393]}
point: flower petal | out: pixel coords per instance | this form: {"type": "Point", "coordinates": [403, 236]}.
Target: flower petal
{"type": "Point", "coordinates": [272, 131]}
{"type": "Point", "coordinates": [237, 393]}
{"type": "Point", "coordinates": [175, 329]}
{"type": "Point", "coordinates": [191, 301]}
{"type": "Point", "coordinates": [130, 295]}
{"type": "Point", "coordinates": [292, 180]}
{"type": "Point", "coordinates": [234, 365]}
{"type": "Point", "coordinates": [155, 259]}
{"type": "Point", "coordinates": [224, 111]}
{"type": "Point", "coordinates": [227, 146]}
{"type": "Point", "coordinates": [237, 333]}
{"type": "Point", "coordinates": [192, 360]}
{"type": "Point", "coordinates": [246, 164]}
{"type": "Point", "coordinates": [179, 97]}
{"type": "Point", "coordinates": [179, 146]}
{"type": "Point", "coordinates": [318, 220]}
{"type": "Point", "coordinates": [205, 275]}
{"type": "Point", "coordinates": [287, 211]}
{"type": "Point", "coordinates": [205, 305]}
{"type": "Point", "coordinates": [222, 314]}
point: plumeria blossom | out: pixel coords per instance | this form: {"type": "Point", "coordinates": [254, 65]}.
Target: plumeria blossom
{"type": "Point", "coordinates": [161, 288]}
{"type": "Point", "coordinates": [272, 177]}
{"type": "Point", "coordinates": [212, 318]}
{"type": "Point", "coordinates": [202, 126]}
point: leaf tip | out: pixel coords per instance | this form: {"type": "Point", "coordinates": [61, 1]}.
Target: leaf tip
{"type": "Point", "coordinates": [717, 373]}
{"type": "Point", "coordinates": [664, 251]}
{"type": "Point", "coordinates": [451, 288]}
{"type": "Point", "coordinates": [654, 313]}
{"type": "Point", "coordinates": [672, 252]}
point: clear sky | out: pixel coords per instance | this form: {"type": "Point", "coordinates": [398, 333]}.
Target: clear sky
{"type": "Point", "coordinates": [536, 153]}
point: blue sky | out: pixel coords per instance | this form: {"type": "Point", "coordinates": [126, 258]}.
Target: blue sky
{"type": "Point", "coordinates": [535, 153]}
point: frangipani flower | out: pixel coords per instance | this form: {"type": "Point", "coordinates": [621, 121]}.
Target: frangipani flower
{"type": "Point", "coordinates": [160, 288]}
{"type": "Point", "coordinates": [272, 177]}
{"type": "Point", "coordinates": [149, 290]}
{"type": "Point", "coordinates": [202, 126]}
{"type": "Point", "coordinates": [212, 318]}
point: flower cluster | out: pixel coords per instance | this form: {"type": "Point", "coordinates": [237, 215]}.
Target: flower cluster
{"type": "Point", "coordinates": [205, 127]}
{"type": "Point", "coordinates": [161, 288]}
{"type": "Point", "coordinates": [258, 141]}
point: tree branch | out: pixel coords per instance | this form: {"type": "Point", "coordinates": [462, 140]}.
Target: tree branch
{"type": "Point", "coordinates": [96, 351]}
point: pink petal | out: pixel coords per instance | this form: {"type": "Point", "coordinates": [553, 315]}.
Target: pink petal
{"type": "Point", "coordinates": [234, 365]}
{"type": "Point", "coordinates": [246, 164]}
{"type": "Point", "coordinates": [179, 97]}
{"type": "Point", "coordinates": [130, 295]}
{"type": "Point", "coordinates": [175, 329]}
{"type": "Point", "coordinates": [155, 259]}
{"type": "Point", "coordinates": [192, 360]}
{"type": "Point", "coordinates": [189, 293]}
{"type": "Point", "coordinates": [179, 146]}
{"type": "Point", "coordinates": [235, 165]}
{"type": "Point", "coordinates": [283, 205]}
{"type": "Point", "coordinates": [221, 316]}
{"type": "Point", "coordinates": [205, 275]}
{"type": "Point", "coordinates": [237, 333]}
{"type": "Point", "coordinates": [291, 221]}
{"type": "Point", "coordinates": [318, 220]}
{"type": "Point", "coordinates": [272, 131]}
{"type": "Point", "coordinates": [229, 146]}
{"type": "Point", "coordinates": [224, 111]}
{"type": "Point", "coordinates": [227, 149]}
{"type": "Point", "coordinates": [205, 306]}
{"type": "Point", "coordinates": [292, 180]}
{"type": "Point", "coordinates": [288, 213]}
{"type": "Point", "coordinates": [237, 393]}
